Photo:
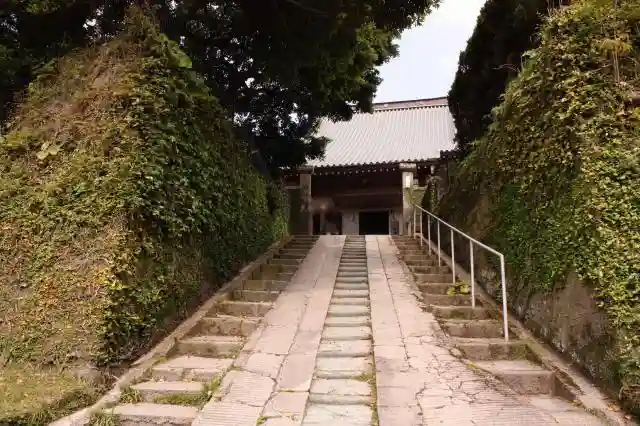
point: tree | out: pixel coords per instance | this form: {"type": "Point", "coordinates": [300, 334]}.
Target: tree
{"type": "Point", "coordinates": [505, 30]}
{"type": "Point", "coordinates": [277, 66]}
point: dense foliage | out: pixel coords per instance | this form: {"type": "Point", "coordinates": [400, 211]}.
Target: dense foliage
{"type": "Point", "coordinates": [493, 56]}
{"type": "Point", "coordinates": [560, 169]}
{"type": "Point", "coordinates": [276, 66]}
{"type": "Point", "coordinates": [124, 201]}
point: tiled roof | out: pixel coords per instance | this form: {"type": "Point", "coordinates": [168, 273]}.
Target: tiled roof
{"type": "Point", "coordinates": [395, 132]}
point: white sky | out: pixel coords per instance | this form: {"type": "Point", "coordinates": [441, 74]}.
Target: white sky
{"type": "Point", "coordinates": [429, 54]}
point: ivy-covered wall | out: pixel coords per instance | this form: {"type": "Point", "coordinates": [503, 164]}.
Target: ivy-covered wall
{"type": "Point", "coordinates": [124, 201]}
{"type": "Point", "coordinates": [555, 185]}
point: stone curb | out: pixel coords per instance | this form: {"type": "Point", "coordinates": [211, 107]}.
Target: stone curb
{"type": "Point", "coordinates": [144, 363]}
{"type": "Point", "coordinates": [592, 398]}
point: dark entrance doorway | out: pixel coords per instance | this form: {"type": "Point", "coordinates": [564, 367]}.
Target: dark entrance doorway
{"type": "Point", "coordinates": [374, 223]}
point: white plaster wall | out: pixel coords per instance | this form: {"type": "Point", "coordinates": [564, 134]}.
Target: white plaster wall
{"type": "Point", "coordinates": [350, 223]}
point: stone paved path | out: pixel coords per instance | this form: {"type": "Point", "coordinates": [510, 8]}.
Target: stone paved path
{"type": "Point", "coordinates": [348, 343]}
{"type": "Point", "coordinates": [419, 381]}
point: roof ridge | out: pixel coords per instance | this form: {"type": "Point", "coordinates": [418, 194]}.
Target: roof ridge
{"type": "Point", "coordinates": [400, 108]}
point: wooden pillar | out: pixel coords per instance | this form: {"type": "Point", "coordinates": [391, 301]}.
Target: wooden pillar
{"type": "Point", "coordinates": [306, 215]}
{"type": "Point", "coordinates": [408, 172]}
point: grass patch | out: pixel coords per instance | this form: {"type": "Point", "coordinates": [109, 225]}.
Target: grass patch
{"type": "Point", "coordinates": [367, 377]}
{"type": "Point", "coordinates": [460, 287]}
{"type": "Point", "coordinates": [194, 400]}
{"type": "Point", "coordinates": [33, 395]}
{"type": "Point", "coordinates": [104, 419]}
{"type": "Point", "coordinates": [129, 395]}
{"type": "Point", "coordinates": [261, 420]}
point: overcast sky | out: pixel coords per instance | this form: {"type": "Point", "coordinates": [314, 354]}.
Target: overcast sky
{"type": "Point", "coordinates": [429, 54]}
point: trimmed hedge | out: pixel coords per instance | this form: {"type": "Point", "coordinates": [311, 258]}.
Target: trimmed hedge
{"type": "Point", "coordinates": [124, 201]}
{"type": "Point", "coordinates": [557, 176]}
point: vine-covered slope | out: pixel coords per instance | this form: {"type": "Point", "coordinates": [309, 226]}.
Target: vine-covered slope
{"type": "Point", "coordinates": [124, 201]}
{"type": "Point", "coordinates": [555, 182]}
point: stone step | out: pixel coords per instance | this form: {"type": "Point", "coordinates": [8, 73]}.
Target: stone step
{"type": "Point", "coordinates": [150, 390]}
{"type": "Point", "coordinates": [292, 254]}
{"type": "Point", "coordinates": [429, 269]}
{"type": "Point", "coordinates": [285, 261]}
{"type": "Point", "coordinates": [191, 368]}
{"type": "Point", "coordinates": [352, 286]}
{"type": "Point", "coordinates": [347, 321]}
{"type": "Point", "coordinates": [434, 278]}
{"type": "Point", "coordinates": [270, 285]}
{"type": "Point", "coordinates": [354, 301]}
{"type": "Point", "coordinates": [338, 415]}
{"type": "Point", "coordinates": [434, 288]}
{"type": "Point", "coordinates": [350, 293]}
{"type": "Point", "coordinates": [211, 346]}
{"type": "Point", "coordinates": [273, 273]}
{"type": "Point", "coordinates": [347, 311]}
{"type": "Point", "coordinates": [353, 263]}
{"type": "Point", "coordinates": [145, 414]}
{"type": "Point", "coordinates": [226, 325]}
{"type": "Point", "coordinates": [346, 333]}
{"type": "Point", "coordinates": [521, 375]}
{"type": "Point", "coordinates": [356, 274]}
{"type": "Point", "coordinates": [255, 295]}
{"type": "Point", "coordinates": [241, 309]}
{"type": "Point", "coordinates": [344, 349]}
{"type": "Point", "coordinates": [339, 392]}
{"type": "Point", "coordinates": [420, 260]}
{"type": "Point", "coordinates": [354, 269]}
{"type": "Point", "coordinates": [460, 312]}
{"type": "Point", "coordinates": [446, 300]}
{"type": "Point", "coordinates": [351, 279]}
{"type": "Point", "coordinates": [565, 413]}
{"type": "Point", "coordinates": [482, 329]}
{"type": "Point", "coordinates": [491, 349]}
{"type": "Point", "coordinates": [343, 368]}
{"type": "Point", "coordinates": [284, 276]}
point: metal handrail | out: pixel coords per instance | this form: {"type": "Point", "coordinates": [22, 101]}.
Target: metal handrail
{"type": "Point", "coordinates": [472, 243]}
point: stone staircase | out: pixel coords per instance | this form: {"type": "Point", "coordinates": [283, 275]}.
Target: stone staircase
{"type": "Point", "coordinates": [342, 387]}
{"type": "Point", "coordinates": [175, 389]}
{"type": "Point", "coordinates": [477, 333]}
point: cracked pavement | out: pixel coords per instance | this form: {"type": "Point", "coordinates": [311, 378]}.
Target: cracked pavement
{"type": "Point", "coordinates": [420, 380]}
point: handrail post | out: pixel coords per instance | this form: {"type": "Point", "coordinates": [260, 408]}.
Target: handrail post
{"type": "Point", "coordinates": [429, 232]}
{"type": "Point", "coordinates": [453, 259]}
{"type": "Point", "coordinates": [473, 282]}
{"type": "Point", "coordinates": [439, 259]}
{"type": "Point", "coordinates": [504, 299]}
{"type": "Point", "coordinates": [421, 232]}
{"type": "Point", "coordinates": [413, 225]}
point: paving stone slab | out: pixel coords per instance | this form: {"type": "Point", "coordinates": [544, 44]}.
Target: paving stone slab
{"type": "Point", "coordinates": [296, 373]}
{"type": "Point", "coordinates": [264, 364]}
{"type": "Point", "coordinates": [247, 388]}
{"type": "Point", "coordinates": [144, 414]}
{"type": "Point", "coordinates": [286, 404]}
{"type": "Point", "coordinates": [227, 414]}
{"type": "Point", "coordinates": [346, 333]}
